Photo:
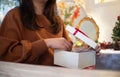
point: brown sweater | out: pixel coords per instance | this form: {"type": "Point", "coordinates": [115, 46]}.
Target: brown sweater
{"type": "Point", "coordinates": [18, 44]}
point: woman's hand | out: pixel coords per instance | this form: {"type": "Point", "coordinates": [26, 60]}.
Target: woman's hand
{"type": "Point", "coordinates": [97, 49]}
{"type": "Point", "coordinates": [59, 43]}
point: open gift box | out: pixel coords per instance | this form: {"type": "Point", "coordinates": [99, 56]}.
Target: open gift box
{"type": "Point", "coordinates": [76, 59]}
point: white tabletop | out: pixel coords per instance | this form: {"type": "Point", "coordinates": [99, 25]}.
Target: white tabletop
{"type": "Point", "coordinates": [110, 51]}
{"type": "Point", "coordinates": [24, 70]}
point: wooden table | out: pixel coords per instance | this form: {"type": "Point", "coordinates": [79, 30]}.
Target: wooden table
{"type": "Point", "coordinates": [24, 70]}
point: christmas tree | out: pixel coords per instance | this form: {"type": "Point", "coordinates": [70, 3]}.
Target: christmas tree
{"type": "Point", "coordinates": [116, 30]}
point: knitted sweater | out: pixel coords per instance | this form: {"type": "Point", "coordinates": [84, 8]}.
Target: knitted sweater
{"type": "Point", "coordinates": [19, 44]}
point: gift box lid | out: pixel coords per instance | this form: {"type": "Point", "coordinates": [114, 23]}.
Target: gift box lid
{"type": "Point", "coordinates": [82, 36]}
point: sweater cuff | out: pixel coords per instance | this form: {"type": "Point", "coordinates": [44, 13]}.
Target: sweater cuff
{"type": "Point", "coordinates": [39, 47]}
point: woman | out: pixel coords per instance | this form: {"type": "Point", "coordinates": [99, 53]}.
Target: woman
{"type": "Point", "coordinates": [29, 33]}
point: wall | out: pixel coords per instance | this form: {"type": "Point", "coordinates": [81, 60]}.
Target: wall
{"type": "Point", "coordinates": [105, 15]}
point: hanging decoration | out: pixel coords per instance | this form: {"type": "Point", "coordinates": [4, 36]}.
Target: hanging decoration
{"type": "Point", "coordinates": [69, 10]}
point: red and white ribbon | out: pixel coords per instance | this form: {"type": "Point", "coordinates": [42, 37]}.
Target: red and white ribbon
{"type": "Point", "coordinates": [77, 30]}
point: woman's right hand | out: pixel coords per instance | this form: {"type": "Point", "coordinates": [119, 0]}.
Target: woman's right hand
{"type": "Point", "coordinates": [58, 43]}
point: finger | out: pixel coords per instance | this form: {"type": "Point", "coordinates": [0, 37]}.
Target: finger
{"type": "Point", "coordinates": [65, 46]}
{"type": "Point", "coordinates": [70, 42]}
{"type": "Point", "coordinates": [69, 45]}
{"type": "Point", "coordinates": [62, 47]}
{"type": "Point", "coordinates": [98, 49]}
{"type": "Point", "coordinates": [98, 54]}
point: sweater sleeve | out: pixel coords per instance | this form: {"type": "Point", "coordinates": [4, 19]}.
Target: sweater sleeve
{"type": "Point", "coordinates": [13, 48]}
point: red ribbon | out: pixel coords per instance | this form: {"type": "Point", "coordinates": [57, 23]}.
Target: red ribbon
{"type": "Point", "coordinates": [77, 30]}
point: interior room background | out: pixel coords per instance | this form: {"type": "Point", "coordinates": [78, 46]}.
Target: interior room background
{"type": "Point", "coordinates": [104, 12]}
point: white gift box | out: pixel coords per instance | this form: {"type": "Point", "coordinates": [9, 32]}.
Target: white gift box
{"type": "Point", "coordinates": [82, 36]}
{"type": "Point", "coordinates": [74, 59]}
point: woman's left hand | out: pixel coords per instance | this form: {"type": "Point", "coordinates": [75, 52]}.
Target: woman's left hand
{"type": "Point", "coordinates": [97, 49]}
